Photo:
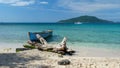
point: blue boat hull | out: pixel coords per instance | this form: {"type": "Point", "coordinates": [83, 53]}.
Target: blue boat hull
{"type": "Point", "coordinates": [44, 34]}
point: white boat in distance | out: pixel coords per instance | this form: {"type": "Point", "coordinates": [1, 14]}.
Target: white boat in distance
{"type": "Point", "coordinates": [77, 23]}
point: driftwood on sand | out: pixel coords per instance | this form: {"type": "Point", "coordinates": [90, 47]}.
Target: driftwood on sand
{"type": "Point", "coordinates": [44, 46]}
{"type": "Point", "coordinates": [22, 49]}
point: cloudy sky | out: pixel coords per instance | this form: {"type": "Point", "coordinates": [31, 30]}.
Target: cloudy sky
{"type": "Point", "coordinates": [55, 10]}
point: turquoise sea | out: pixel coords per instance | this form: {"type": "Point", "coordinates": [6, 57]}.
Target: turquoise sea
{"type": "Point", "coordinates": [79, 35]}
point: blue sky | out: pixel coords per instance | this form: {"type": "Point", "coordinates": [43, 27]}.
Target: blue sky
{"type": "Point", "coordinates": [55, 10]}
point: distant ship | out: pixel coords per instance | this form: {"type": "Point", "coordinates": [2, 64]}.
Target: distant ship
{"type": "Point", "coordinates": [77, 23]}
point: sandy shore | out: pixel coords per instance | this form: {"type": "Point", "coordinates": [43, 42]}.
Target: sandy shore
{"type": "Point", "coordinates": [41, 59]}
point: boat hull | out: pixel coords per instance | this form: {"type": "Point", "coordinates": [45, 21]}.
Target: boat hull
{"type": "Point", "coordinates": [44, 34]}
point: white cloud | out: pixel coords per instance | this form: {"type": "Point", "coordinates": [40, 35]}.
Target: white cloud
{"type": "Point", "coordinates": [87, 5]}
{"type": "Point", "coordinates": [8, 1]}
{"type": "Point", "coordinates": [43, 2]}
{"type": "Point", "coordinates": [22, 3]}
{"type": "Point", "coordinates": [17, 2]}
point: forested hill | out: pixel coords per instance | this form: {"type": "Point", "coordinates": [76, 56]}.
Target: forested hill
{"type": "Point", "coordinates": [85, 19]}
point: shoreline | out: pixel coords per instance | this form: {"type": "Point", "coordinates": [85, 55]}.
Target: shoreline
{"type": "Point", "coordinates": [9, 47]}
{"type": "Point", "coordinates": [81, 51]}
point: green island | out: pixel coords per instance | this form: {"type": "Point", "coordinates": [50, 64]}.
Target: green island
{"type": "Point", "coordinates": [85, 19]}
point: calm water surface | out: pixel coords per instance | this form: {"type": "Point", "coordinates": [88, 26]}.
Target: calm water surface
{"type": "Point", "coordinates": [87, 35]}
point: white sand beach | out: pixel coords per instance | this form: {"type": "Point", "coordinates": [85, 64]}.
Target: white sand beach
{"type": "Point", "coordinates": [42, 59]}
{"type": "Point", "coordinates": [85, 57]}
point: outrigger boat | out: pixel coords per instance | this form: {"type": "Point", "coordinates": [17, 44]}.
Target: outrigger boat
{"type": "Point", "coordinates": [44, 34]}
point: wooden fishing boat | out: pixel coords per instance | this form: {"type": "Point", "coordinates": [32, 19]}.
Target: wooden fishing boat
{"type": "Point", "coordinates": [44, 34]}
